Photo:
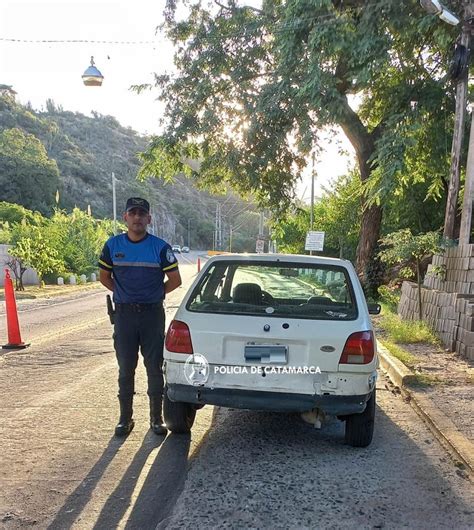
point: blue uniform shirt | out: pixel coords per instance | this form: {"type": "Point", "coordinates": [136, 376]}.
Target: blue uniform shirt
{"type": "Point", "coordinates": [138, 267]}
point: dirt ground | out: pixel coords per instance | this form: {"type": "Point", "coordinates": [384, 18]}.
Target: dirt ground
{"type": "Point", "coordinates": [449, 381]}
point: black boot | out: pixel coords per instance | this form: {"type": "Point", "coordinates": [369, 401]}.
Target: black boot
{"type": "Point", "coordinates": [126, 423]}
{"type": "Point", "coordinates": [156, 421]}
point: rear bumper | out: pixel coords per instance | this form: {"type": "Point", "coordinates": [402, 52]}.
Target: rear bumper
{"type": "Point", "coordinates": [264, 400]}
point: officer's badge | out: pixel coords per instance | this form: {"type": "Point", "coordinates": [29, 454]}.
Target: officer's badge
{"type": "Point", "coordinates": [170, 256]}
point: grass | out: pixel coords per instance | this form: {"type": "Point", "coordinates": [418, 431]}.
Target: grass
{"type": "Point", "coordinates": [398, 332]}
{"type": "Point", "coordinates": [405, 331]}
{"type": "Point", "coordinates": [406, 358]}
{"type": "Point", "coordinates": [424, 380]}
{"type": "Point", "coordinates": [417, 380]}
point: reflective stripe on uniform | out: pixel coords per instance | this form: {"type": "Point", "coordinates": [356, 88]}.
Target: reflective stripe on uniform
{"type": "Point", "coordinates": [136, 264]}
{"type": "Point", "coordinates": [172, 266]}
{"type": "Point", "coordinates": [105, 264]}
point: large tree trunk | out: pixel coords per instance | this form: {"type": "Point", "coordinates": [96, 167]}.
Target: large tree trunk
{"type": "Point", "coordinates": [363, 143]}
{"type": "Point", "coordinates": [369, 236]}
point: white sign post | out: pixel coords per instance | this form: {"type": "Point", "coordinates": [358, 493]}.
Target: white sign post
{"type": "Point", "coordinates": [314, 241]}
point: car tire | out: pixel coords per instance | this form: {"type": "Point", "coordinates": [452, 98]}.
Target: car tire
{"type": "Point", "coordinates": [360, 427]}
{"type": "Point", "coordinates": [179, 417]}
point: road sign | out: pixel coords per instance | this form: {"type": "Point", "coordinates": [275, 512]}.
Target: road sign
{"type": "Point", "coordinates": [260, 246]}
{"type": "Point", "coordinates": [314, 241]}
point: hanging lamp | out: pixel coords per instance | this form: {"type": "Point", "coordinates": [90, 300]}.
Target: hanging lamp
{"type": "Point", "coordinates": [92, 76]}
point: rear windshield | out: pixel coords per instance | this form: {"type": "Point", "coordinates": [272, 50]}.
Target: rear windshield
{"type": "Point", "coordinates": [279, 290]}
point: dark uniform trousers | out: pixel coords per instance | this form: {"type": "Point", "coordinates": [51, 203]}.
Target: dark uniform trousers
{"type": "Point", "coordinates": [139, 326]}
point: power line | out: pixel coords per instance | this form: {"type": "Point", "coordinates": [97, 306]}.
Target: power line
{"type": "Point", "coordinates": [278, 27]}
{"type": "Point", "coordinates": [82, 41]}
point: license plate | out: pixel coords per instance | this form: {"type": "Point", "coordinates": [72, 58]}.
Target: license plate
{"type": "Point", "coordinates": [266, 353]}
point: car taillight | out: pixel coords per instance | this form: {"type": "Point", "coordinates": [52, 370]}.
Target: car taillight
{"type": "Point", "coordinates": [178, 338]}
{"type": "Point", "coordinates": [359, 348]}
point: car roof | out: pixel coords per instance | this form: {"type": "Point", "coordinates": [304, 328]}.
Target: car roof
{"type": "Point", "coordinates": [294, 258]}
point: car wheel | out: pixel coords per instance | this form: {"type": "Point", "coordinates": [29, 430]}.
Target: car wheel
{"type": "Point", "coordinates": [179, 417]}
{"type": "Point", "coordinates": [360, 427]}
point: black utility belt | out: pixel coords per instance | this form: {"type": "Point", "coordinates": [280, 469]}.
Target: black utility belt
{"type": "Point", "coordinates": [137, 308]}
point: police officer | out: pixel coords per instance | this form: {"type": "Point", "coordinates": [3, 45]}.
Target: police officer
{"type": "Point", "coordinates": [134, 266]}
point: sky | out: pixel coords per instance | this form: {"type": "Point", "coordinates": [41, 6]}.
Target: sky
{"type": "Point", "coordinates": [38, 71]}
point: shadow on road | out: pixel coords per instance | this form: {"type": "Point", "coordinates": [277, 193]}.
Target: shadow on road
{"type": "Point", "coordinates": [79, 498]}
{"type": "Point", "coordinates": [164, 480]}
{"type": "Point", "coordinates": [262, 467]}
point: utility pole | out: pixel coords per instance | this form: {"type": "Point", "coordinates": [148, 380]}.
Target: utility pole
{"type": "Point", "coordinates": [466, 214]}
{"type": "Point", "coordinates": [220, 227]}
{"type": "Point", "coordinates": [461, 101]}
{"type": "Point", "coordinates": [189, 233]}
{"type": "Point", "coordinates": [230, 238]}
{"type": "Point", "coordinates": [216, 226]}
{"type": "Point", "coordinates": [261, 222]}
{"type": "Point", "coordinates": [311, 213]}
{"type": "Point", "coordinates": [114, 203]}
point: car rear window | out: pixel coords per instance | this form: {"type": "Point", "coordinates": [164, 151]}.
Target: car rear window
{"type": "Point", "coordinates": [321, 292]}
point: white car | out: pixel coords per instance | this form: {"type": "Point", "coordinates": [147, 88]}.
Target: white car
{"type": "Point", "coordinates": [274, 332]}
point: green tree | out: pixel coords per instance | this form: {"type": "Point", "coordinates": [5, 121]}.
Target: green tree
{"type": "Point", "coordinates": [34, 250]}
{"type": "Point", "coordinates": [337, 214]}
{"type": "Point", "coordinates": [404, 247]}
{"type": "Point", "coordinates": [27, 175]}
{"type": "Point", "coordinates": [78, 239]}
{"type": "Point", "coordinates": [254, 87]}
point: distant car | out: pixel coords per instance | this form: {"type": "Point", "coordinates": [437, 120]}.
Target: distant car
{"type": "Point", "coordinates": [184, 249]}
{"type": "Point", "coordinates": [176, 248]}
{"type": "Point", "coordinates": [274, 332]}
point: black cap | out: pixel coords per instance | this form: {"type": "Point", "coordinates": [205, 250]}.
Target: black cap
{"type": "Point", "coordinates": [136, 202]}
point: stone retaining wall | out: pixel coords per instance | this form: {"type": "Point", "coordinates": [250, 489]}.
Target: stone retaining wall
{"type": "Point", "coordinates": [447, 299]}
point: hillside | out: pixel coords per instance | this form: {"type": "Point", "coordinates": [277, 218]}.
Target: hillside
{"type": "Point", "coordinates": [80, 154]}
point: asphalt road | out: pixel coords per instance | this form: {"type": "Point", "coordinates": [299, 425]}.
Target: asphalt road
{"type": "Point", "coordinates": [61, 467]}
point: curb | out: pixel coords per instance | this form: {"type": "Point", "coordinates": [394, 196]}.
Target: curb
{"type": "Point", "coordinates": [441, 426]}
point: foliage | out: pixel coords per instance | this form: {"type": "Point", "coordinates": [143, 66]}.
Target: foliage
{"type": "Point", "coordinates": [404, 247]}
{"type": "Point", "coordinates": [338, 214]}
{"type": "Point", "coordinates": [390, 296]}
{"type": "Point", "coordinates": [35, 251]}
{"type": "Point", "coordinates": [87, 149]}
{"type": "Point", "coordinates": [375, 271]}
{"type": "Point", "coordinates": [18, 268]}
{"type": "Point", "coordinates": [406, 331]}
{"type": "Point", "coordinates": [26, 171]}
{"type": "Point", "coordinates": [15, 213]}
{"type": "Point", "coordinates": [254, 86]}
{"type": "Point", "coordinates": [78, 239]}
{"type": "Point", "coordinates": [64, 244]}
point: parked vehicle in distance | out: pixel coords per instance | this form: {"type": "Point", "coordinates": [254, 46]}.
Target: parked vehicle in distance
{"type": "Point", "coordinates": [176, 248]}
{"type": "Point", "coordinates": [274, 332]}
{"type": "Point", "coordinates": [184, 249]}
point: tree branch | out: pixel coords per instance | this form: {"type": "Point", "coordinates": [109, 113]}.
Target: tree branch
{"type": "Point", "coordinates": [233, 8]}
{"type": "Point", "coordinates": [360, 138]}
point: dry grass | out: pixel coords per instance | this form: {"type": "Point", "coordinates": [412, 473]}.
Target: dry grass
{"type": "Point", "coordinates": [49, 291]}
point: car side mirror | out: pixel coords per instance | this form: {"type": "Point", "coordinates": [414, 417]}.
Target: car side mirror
{"type": "Point", "coordinates": [374, 309]}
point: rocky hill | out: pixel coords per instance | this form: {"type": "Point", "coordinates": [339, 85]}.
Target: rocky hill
{"type": "Point", "coordinates": [86, 151]}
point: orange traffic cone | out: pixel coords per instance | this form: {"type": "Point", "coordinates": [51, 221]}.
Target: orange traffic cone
{"type": "Point", "coordinates": [14, 336]}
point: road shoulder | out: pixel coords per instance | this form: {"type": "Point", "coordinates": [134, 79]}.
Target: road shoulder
{"type": "Point", "coordinates": [424, 403]}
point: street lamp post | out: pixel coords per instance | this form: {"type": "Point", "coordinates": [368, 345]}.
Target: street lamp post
{"type": "Point", "coordinates": [114, 202]}
{"type": "Point", "coordinates": [436, 8]}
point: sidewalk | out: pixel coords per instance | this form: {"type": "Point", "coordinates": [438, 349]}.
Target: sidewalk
{"type": "Point", "coordinates": [440, 389]}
